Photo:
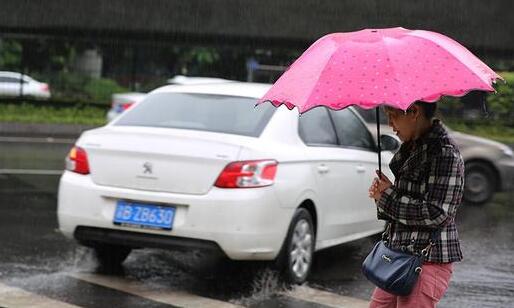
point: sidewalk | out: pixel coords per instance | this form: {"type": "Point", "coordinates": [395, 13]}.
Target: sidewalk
{"type": "Point", "coordinates": [42, 130]}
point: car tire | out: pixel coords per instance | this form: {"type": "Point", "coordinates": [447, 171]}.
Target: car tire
{"type": "Point", "coordinates": [296, 256]}
{"type": "Point", "coordinates": [479, 183]}
{"type": "Point", "coordinates": [110, 257]}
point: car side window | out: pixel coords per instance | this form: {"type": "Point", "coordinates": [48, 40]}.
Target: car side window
{"type": "Point", "coordinates": [351, 131]}
{"type": "Point", "coordinates": [9, 80]}
{"type": "Point", "coordinates": [316, 128]}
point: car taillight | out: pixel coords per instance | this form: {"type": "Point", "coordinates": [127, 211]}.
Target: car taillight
{"type": "Point", "coordinates": [248, 174]}
{"type": "Point", "coordinates": [44, 87]}
{"type": "Point", "coordinates": [126, 106]}
{"type": "Point", "coordinates": [121, 107]}
{"type": "Point", "coordinates": [77, 161]}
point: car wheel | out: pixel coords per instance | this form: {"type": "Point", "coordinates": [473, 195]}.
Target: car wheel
{"type": "Point", "coordinates": [298, 249]}
{"type": "Point", "coordinates": [479, 184]}
{"type": "Point", "coordinates": [110, 257]}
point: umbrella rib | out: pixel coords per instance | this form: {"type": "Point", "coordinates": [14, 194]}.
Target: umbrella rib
{"type": "Point", "coordinates": [444, 44]}
{"type": "Point", "coordinates": [317, 81]}
{"type": "Point", "coordinates": [397, 81]}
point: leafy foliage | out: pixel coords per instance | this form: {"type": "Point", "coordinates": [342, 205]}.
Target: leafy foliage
{"type": "Point", "coordinates": [100, 90]}
{"type": "Point", "coordinates": [10, 54]}
{"type": "Point", "coordinates": [77, 87]}
{"type": "Point", "coordinates": [501, 104]}
{"type": "Point", "coordinates": [29, 113]}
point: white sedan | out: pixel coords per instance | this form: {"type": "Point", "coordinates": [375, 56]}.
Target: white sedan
{"type": "Point", "coordinates": [14, 84]}
{"type": "Point", "coordinates": [200, 167]}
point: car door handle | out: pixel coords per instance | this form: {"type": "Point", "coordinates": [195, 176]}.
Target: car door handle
{"type": "Point", "coordinates": [322, 169]}
{"type": "Point", "coordinates": [360, 169]}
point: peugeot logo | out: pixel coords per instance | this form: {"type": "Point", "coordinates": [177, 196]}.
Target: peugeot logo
{"type": "Point", "coordinates": [147, 166]}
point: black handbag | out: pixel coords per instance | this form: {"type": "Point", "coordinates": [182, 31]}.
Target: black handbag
{"type": "Point", "coordinates": [394, 271]}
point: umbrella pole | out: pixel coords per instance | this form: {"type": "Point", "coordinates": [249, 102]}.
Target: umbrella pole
{"type": "Point", "coordinates": [379, 148]}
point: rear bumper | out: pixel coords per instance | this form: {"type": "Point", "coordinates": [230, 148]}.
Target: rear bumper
{"type": "Point", "coordinates": [506, 170]}
{"type": "Point", "coordinates": [246, 224]}
{"type": "Point", "coordinates": [90, 235]}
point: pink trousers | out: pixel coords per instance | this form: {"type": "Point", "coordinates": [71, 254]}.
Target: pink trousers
{"type": "Point", "coordinates": [429, 289]}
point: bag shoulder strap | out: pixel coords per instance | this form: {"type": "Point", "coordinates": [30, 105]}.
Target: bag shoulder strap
{"type": "Point", "coordinates": [434, 235]}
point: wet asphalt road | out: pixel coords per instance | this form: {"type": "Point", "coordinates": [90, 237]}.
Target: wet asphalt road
{"type": "Point", "coordinates": [36, 258]}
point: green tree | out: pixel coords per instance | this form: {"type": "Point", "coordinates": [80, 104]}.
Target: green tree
{"type": "Point", "coordinates": [198, 60]}
{"type": "Point", "coordinates": [501, 103]}
{"type": "Point", "coordinates": [10, 54]}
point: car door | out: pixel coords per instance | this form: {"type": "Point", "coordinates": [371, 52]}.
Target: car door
{"type": "Point", "coordinates": [9, 86]}
{"type": "Point", "coordinates": [361, 161]}
{"type": "Point", "coordinates": [335, 172]}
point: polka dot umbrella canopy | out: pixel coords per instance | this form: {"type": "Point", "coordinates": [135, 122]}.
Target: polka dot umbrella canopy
{"type": "Point", "coordinates": [373, 67]}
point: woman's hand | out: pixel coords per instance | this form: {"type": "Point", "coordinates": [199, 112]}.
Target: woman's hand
{"type": "Point", "coordinates": [378, 186]}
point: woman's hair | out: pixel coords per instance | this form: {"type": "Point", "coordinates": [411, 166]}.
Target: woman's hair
{"type": "Point", "coordinates": [429, 109]}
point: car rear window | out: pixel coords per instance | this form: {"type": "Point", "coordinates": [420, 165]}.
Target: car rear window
{"type": "Point", "coordinates": [206, 112]}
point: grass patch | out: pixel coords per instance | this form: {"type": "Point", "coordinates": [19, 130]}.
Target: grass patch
{"type": "Point", "coordinates": [28, 113]}
{"type": "Point", "coordinates": [504, 134]}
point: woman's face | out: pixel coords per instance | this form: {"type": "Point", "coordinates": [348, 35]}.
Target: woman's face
{"type": "Point", "coordinates": [403, 123]}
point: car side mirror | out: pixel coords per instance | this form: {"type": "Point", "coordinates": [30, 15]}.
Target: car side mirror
{"type": "Point", "coordinates": [389, 142]}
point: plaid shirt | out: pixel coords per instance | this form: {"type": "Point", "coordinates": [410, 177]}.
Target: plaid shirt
{"type": "Point", "coordinates": [428, 186]}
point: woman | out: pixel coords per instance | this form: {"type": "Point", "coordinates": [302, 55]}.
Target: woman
{"type": "Point", "coordinates": [428, 186]}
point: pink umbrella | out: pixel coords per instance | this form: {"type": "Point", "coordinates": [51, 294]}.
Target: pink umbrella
{"type": "Point", "coordinates": [373, 67]}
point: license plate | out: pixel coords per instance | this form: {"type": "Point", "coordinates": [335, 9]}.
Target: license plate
{"type": "Point", "coordinates": [143, 215]}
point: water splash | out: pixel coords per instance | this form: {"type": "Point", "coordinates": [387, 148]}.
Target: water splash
{"type": "Point", "coordinates": [265, 285]}
{"type": "Point", "coordinates": [81, 260]}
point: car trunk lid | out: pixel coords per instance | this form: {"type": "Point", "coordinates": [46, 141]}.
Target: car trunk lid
{"type": "Point", "coordinates": [167, 162]}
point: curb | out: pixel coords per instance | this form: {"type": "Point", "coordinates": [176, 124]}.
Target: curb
{"type": "Point", "coordinates": [43, 130]}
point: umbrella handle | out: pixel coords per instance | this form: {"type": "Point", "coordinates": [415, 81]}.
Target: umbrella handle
{"type": "Point", "coordinates": [379, 148]}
